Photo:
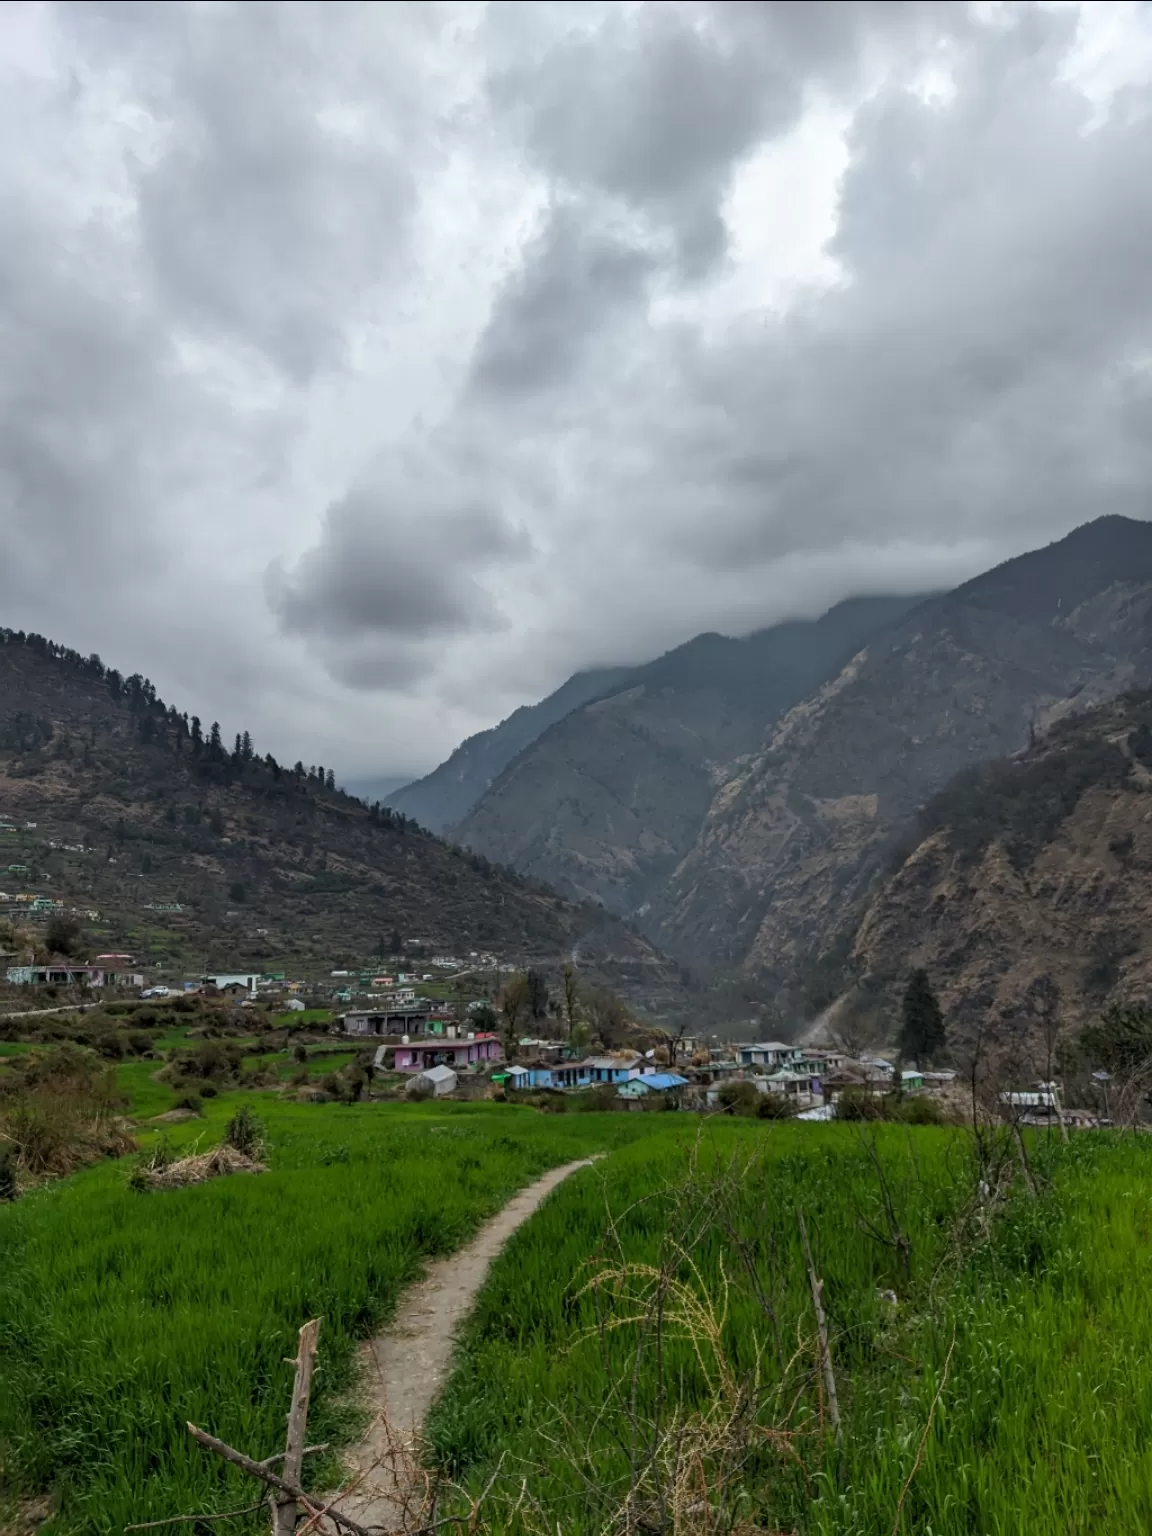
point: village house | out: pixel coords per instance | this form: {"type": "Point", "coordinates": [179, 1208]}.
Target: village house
{"type": "Point", "coordinates": [522, 1076]}
{"type": "Point", "coordinates": [233, 981]}
{"type": "Point", "coordinates": [545, 1050]}
{"type": "Point", "coordinates": [793, 1083]}
{"type": "Point", "coordinates": [67, 974]}
{"type": "Point", "coordinates": [405, 1055]}
{"type": "Point", "coordinates": [855, 1077]}
{"type": "Point", "coordinates": [669, 1084]}
{"type": "Point", "coordinates": [820, 1059]}
{"type": "Point", "coordinates": [416, 1018]}
{"type": "Point", "coordinates": [769, 1054]}
{"type": "Point", "coordinates": [600, 1069]}
{"type": "Point", "coordinates": [441, 1080]}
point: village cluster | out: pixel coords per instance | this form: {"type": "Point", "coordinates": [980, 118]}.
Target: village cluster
{"type": "Point", "coordinates": [424, 1039]}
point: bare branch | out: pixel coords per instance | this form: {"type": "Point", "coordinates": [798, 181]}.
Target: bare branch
{"type": "Point", "coordinates": [233, 1514]}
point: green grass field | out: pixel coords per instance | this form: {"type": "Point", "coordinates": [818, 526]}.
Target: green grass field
{"type": "Point", "coordinates": [122, 1315]}
{"type": "Point", "coordinates": [1042, 1428]}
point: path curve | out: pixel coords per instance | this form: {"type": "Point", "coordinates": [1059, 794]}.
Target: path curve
{"type": "Point", "coordinates": [404, 1368]}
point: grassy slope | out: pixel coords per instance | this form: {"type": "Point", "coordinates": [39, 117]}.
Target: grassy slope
{"type": "Point", "coordinates": [1045, 1425]}
{"type": "Point", "coordinates": [122, 1315]}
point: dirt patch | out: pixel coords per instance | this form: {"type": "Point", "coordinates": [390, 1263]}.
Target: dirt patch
{"type": "Point", "coordinates": [174, 1116]}
{"type": "Point", "coordinates": [405, 1368]}
{"type": "Point", "coordinates": [25, 1517]}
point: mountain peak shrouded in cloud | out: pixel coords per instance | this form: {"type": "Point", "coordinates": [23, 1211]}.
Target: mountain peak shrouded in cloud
{"type": "Point", "coordinates": [367, 371]}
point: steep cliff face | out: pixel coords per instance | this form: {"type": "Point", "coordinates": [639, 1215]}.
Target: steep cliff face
{"type": "Point", "coordinates": [793, 843]}
{"type": "Point", "coordinates": [606, 803]}
{"type": "Point", "coordinates": [1030, 887]}
{"type": "Point", "coordinates": [446, 795]}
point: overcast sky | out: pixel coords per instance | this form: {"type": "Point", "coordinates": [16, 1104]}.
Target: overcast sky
{"type": "Point", "coordinates": [366, 370]}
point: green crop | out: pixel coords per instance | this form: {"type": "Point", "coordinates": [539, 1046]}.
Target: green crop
{"type": "Point", "coordinates": [124, 1314]}
{"type": "Point", "coordinates": [1006, 1390]}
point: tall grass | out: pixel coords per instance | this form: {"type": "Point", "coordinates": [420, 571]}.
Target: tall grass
{"type": "Point", "coordinates": [1034, 1311]}
{"type": "Point", "coordinates": [122, 1315]}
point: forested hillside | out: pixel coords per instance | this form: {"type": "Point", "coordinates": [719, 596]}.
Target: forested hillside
{"type": "Point", "coordinates": [191, 846]}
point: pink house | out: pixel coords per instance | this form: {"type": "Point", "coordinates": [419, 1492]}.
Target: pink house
{"type": "Point", "coordinates": [469, 1051]}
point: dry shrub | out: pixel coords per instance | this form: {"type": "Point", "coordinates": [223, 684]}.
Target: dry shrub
{"type": "Point", "coordinates": [197, 1169]}
{"type": "Point", "coordinates": [60, 1111]}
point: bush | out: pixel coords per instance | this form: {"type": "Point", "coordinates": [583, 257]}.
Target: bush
{"type": "Point", "coordinates": [190, 1101]}
{"type": "Point", "coordinates": [209, 1091]}
{"type": "Point", "coordinates": [602, 1097]}
{"type": "Point", "coordinates": [859, 1104]}
{"type": "Point", "coordinates": [162, 1155]}
{"type": "Point", "coordinates": [245, 1132]}
{"type": "Point", "coordinates": [775, 1106]}
{"type": "Point", "coordinates": [740, 1098]}
{"type": "Point", "coordinates": [918, 1110]}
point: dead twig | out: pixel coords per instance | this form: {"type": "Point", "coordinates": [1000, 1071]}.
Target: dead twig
{"type": "Point", "coordinates": [265, 1474]}
{"type": "Point", "coordinates": [232, 1514]}
{"type": "Point", "coordinates": [924, 1437]}
{"type": "Point", "coordinates": [816, 1286]}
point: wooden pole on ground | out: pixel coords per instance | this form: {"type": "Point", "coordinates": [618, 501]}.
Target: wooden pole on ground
{"type": "Point", "coordinates": [284, 1508]}
{"type": "Point", "coordinates": [816, 1286]}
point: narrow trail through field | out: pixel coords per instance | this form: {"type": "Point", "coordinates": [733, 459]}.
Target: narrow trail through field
{"type": "Point", "coordinates": [404, 1368]}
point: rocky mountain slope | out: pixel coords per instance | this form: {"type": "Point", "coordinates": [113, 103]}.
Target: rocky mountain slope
{"type": "Point", "coordinates": [606, 802]}
{"type": "Point", "coordinates": [1027, 893]}
{"type": "Point", "coordinates": [793, 842]}
{"type": "Point", "coordinates": [190, 849]}
{"type": "Point", "coordinates": [446, 795]}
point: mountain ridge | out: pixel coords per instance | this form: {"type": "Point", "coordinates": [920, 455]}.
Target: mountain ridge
{"type": "Point", "coordinates": [795, 841]}
{"type": "Point", "coordinates": [604, 803]}
{"type": "Point", "coordinates": [1024, 889]}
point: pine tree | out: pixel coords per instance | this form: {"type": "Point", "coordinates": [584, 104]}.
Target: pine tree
{"type": "Point", "coordinates": [922, 1034]}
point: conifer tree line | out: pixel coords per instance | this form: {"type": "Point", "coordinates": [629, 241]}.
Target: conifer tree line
{"type": "Point", "coordinates": [162, 725]}
{"type": "Point", "coordinates": [165, 727]}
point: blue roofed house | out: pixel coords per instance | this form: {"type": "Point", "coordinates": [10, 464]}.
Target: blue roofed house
{"type": "Point", "coordinates": [650, 1083]}
{"type": "Point", "coordinates": [599, 1069]}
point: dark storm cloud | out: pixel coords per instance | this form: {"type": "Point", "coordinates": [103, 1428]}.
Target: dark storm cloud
{"type": "Point", "coordinates": [655, 106]}
{"type": "Point", "coordinates": [82, 368]}
{"type": "Point", "coordinates": [526, 263]}
{"type": "Point", "coordinates": [273, 195]}
{"type": "Point", "coordinates": [573, 281]}
{"type": "Point", "coordinates": [985, 364]}
{"type": "Point", "coordinates": [391, 569]}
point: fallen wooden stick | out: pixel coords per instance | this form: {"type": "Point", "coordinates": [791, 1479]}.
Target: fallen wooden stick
{"type": "Point", "coordinates": [265, 1474]}
{"type": "Point", "coordinates": [234, 1514]}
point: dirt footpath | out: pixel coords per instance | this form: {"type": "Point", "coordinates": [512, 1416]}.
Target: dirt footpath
{"type": "Point", "coordinates": [404, 1368]}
